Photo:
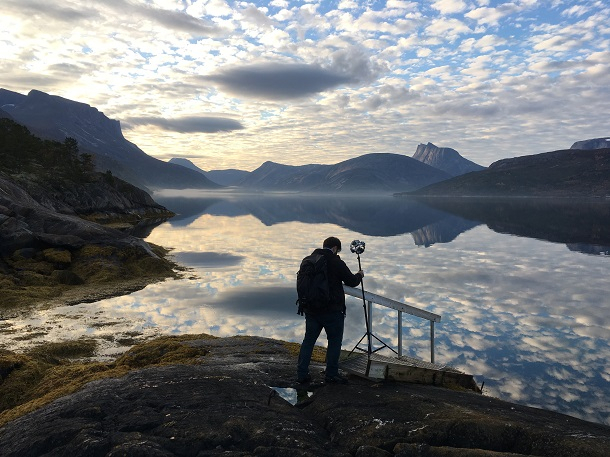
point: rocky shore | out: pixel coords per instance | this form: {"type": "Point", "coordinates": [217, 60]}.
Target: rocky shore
{"type": "Point", "coordinates": [50, 252]}
{"type": "Point", "coordinates": [206, 396]}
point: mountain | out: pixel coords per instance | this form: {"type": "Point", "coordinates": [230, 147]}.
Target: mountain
{"type": "Point", "coordinates": [596, 143]}
{"type": "Point", "coordinates": [186, 163]}
{"type": "Point", "coordinates": [446, 159]}
{"type": "Point", "coordinates": [382, 172]}
{"type": "Point", "coordinates": [567, 173]}
{"type": "Point", "coordinates": [59, 178]}
{"type": "Point", "coordinates": [228, 177]}
{"type": "Point", "coordinates": [55, 118]}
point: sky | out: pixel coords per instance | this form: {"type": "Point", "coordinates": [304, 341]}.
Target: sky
{"type": "Point", "coordinates": [230, 84]}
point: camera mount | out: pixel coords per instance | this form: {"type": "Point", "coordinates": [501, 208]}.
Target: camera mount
{"type": "Point", "coordinates": [357, 247]}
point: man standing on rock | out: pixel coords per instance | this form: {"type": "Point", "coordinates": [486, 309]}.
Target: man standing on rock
{"type": "Point", "coordinates": [331, 319]}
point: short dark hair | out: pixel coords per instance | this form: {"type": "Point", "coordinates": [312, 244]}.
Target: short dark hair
{"type": "Point", "coordinates": [332, 242]}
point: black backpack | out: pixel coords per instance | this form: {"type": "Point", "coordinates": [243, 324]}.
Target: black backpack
{"type": "Point", "coordinates": [312, 284]}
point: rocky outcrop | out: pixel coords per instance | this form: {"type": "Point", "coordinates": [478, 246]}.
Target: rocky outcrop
{"type": "Point", "coordinates": [446, 159]}
{"type": "Point", "coordinates": [43, 250]}
{"type": "Point", "coordinates": [26, 223]}
{"type": "Point", "coordinates": [101, 200]}
{"type": "Point", "coordinates": [239, 399]}
{"type": "Point", "coordinates": [596, 143]}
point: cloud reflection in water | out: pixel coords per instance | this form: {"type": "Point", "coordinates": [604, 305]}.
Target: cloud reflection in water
{"type": "Point", "coordinates": [530, 318]}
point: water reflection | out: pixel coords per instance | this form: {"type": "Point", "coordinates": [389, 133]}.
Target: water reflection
{"type": "Point", "coordinates": [369, 216]}
{"type": "Point", "coordinates": [529, 317]}
{"type": "Point", "coordinates": [584, 225]}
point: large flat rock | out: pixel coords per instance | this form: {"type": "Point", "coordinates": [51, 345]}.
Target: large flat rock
{"type": "Point", "coordinates": [231, 405]}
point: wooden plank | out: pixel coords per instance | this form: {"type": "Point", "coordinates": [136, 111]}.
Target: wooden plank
{"type": "Point", "coordinates": [407, 369]}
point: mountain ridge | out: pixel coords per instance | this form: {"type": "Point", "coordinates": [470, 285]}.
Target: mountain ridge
{"type": "Point", "coordinates": [563, 173]}
{"type": "Point", "coordinates": [380, 172]}
{"type": "Point", "coordinates": [55, 118]}
{"type": "Point", "coordinates": [226, 177]}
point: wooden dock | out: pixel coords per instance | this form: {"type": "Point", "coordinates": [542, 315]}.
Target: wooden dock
{"type": "Point", "coordinates": [407, 369]}
{"type": "Point", "coordinates": [368, 363]}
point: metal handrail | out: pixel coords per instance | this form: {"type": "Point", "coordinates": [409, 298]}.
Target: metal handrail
{"type": "Point", "coordinates": [401, 308]}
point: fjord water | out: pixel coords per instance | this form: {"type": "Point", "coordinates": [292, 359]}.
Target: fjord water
{"type": "Point", "coordinates": [521, 286]}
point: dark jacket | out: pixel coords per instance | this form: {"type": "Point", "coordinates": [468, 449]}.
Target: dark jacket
{"type": "Point", "coordinates": [338, 274]}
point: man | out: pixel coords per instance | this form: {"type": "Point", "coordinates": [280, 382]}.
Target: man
{"type": "Point", "coordinates": [331, 319]}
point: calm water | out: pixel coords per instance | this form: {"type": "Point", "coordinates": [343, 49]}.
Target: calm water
{"type": "Point", "coordinates": [522, 288]}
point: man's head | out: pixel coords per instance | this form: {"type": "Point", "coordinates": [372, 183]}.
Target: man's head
{"type": "Point", "coordinates": [332, 242]}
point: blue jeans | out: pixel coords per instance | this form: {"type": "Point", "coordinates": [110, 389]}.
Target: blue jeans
{"type": "Point", "coordinates": [332, 323]}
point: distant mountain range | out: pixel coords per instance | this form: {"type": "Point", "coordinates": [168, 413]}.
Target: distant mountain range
{"type": "Point", "coordinates": [55, 118]}
{"type": "Point", "coordinates": [431, 171]}
{"type": "Point", "coordinates": [367, 173]}
{"type": "Point", "coordinates": [566, 173]}
{"type": "Point", "coordinates": [228, 177]}
{"type": "Point", "coordinates": [381, 172]}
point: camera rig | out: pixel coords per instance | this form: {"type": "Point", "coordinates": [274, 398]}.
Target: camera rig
{"type": "Point", "coordinates": [357, 247]}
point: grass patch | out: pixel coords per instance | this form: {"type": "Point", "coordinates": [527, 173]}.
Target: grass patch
{"type": "Point", "coordinates": [31, 380]}
{"type": "Point", "coordinates": [318, 355]}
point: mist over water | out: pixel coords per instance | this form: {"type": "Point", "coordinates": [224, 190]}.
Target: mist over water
{"type": "Point", "coordinates": [529, 317]}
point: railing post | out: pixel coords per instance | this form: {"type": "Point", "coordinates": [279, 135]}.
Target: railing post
{"type": "Point", "coordinates": [370, 311]}
{"type": "Point", "coordinates": [432, 341]}
{"type": "Point", "coordinates": [399, 333]}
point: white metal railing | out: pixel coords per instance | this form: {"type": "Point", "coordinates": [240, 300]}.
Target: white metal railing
{"type": "Point", "coordinates": [371, 298]}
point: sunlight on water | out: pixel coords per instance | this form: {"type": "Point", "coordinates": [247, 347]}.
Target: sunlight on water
{"type": "Point", "coordinates": [529, 318]}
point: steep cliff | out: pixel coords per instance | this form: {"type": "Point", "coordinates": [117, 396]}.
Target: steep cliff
{"type": "Point", "coordinates": [595, 143]}
{"type": "Point", "coordinates": [446, 159]}
{"type": "Point", "coordinates": [55, 118]}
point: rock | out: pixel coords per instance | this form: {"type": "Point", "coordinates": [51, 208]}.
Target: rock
{"type": "Point", "coordinates": [41, 248]}
{"type": "Point", "coordinates": [595, 143]}
{"type": "Point", "coordinates": [370, 451]}
{"type": "Point", "coordinates": [229, 404]}
{"type": "Point", "coordinates": [67, 277]}
{"type": "Point", "coordinates": [446, 159]}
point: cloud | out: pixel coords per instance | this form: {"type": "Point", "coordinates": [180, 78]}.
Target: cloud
{"type": "Point", "coordinates": [449, 6]}
{"type": "Point", "coordinates": [37, 8]}
{"type": "Point", "coordinates": [66, 13]}
{"type": "Point", "coordinates": [189, 124]}
{"type": "Point", "coordinates": [177, 20]}
{"type": "Point", "coordinates": [283, 81]}
{"type": "Point", "coordinates": [278, 81]}
{"type": "Point", "coordinates": [492, 16]}
{"type": "Point", "coordinates": [255, 16]}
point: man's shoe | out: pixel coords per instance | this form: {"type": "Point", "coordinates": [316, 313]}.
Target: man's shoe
{"type": "Point", "coordinates": [336, 379]}
{"type": "Point", "coordinates": [304, 380]}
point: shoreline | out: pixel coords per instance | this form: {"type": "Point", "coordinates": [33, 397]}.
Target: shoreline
{"type": "Point", "coordinates": [102, 271]}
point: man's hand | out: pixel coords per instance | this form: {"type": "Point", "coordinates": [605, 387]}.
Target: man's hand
{"type": "Point", "coordinates": [361, 273]}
